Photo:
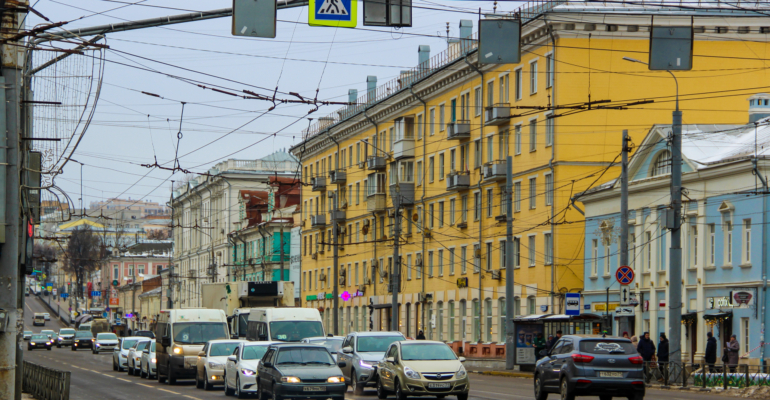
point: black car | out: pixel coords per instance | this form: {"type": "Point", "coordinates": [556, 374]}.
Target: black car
{"type": "Point", "coordinates": [148, 334]}
{"type": "Point", "coordinates": [300, 371]}
{"type": "Point", "coordinates": [590, 365]}
{"type": "Point", "coordinates": [39, 341]}
{"type": "Point", "coordinates": [83, 340]}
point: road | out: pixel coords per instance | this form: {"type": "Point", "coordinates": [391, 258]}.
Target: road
{"type": "Point", "coordinates": [93, 378]}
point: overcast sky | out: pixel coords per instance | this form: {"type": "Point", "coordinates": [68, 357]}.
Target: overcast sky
{"type": "Point", "coordinates": [130, 128]}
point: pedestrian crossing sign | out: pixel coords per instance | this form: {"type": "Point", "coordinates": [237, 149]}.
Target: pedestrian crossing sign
{"type": "Point", "coordinates": [338, 13]}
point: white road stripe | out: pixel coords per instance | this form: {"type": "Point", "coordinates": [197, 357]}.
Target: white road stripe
{"type": "Point", "coordinates": [168, 391]}
{"type": "Point", "coordinates": [501, 394]}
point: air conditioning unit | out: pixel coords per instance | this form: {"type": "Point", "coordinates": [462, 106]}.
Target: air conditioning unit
{"type": "Point", "coordinates": [418, 261]}
{"type": "Point", "coordinates": [501, 218]}
{"type": "Point", "coordinates": [322, 277]}
{"type": "Point", "coordinates": [314, 256]}
{"type": "Point", "coordinates": [496, 274]}
{"type": "Point", "coordinates": [422, 296]}
{"type": "Point", "coordinates": [462, 225]}
{"type": "Point", "coordinates": [366, 222]}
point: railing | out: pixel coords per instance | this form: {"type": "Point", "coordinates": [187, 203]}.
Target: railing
{"type": "Point", "coordinates": [706, 375]}
{"type": "Point", "coordinates": [64, 317]}
{"type": "Point", "coordinates": [45, 383]}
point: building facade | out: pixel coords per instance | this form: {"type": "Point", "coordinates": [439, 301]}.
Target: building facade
{"type": "Point", "coordinates": [433, 143]}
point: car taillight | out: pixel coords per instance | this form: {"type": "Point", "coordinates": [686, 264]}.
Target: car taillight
{"type": "Point", "coordinates": [583, 381]}
{"type": "Point", "coordinates": [582, 358]}
{"type": "Point", "coordinates": [636, 360]}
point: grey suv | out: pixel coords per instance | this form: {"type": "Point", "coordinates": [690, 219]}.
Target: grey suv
{"type": "Point", "coordinates": [361, 351]}
{"type": "Point", "coordinates": [589, 365]}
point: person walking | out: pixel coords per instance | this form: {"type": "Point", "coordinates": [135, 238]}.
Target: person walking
{"type": "Point", "coordinates": [663, 357]}
{"type": "Point", "coordinates": [420, 335]}
{"type": "Point", "coordinates": [646, 349]}
{"type": "Point", "coordinates": [732, 348]}
{"type": "Point", "coordinates": [711, 351]}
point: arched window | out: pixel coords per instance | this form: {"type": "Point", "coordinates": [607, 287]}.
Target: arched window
{"type": "Point", "coordinates": [476, 320]}
{"type": "Point", "coordinates": [662, 163]}
{"type": "Point", "coordinates": [531, 309]}
{"type": "Point", "coordinates": [463, 320]}
{"type": "Point", "coordinates": [440, 320]}
{"type": "Point", "coordinates": [501, 309]}
{"type": "Point", "coordinates": [488, 311]}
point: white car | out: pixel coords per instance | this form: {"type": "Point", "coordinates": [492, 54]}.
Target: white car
{"type": "Point", "coordinates": [135, 356]}
{"type": "Point", "coordinates": [210, 365]}
{"type": "Point", "coordinates": [105, 342]}
{"type": "Point", "coordinates": [47, 316]}
{"type": "Point", "coordinates": [148, 366]}
{"type": "Point", "coordinates": [120, 354]}
{"type": "Point", "coordinates": [332, 343]}
{"type": "Point", "coordinates": [241, 368]}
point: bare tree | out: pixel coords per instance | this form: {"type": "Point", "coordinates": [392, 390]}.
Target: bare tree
{"type": "Point", "coordinates": [158, 234]}
{"type": "Point", "coordinates": [84, 254]}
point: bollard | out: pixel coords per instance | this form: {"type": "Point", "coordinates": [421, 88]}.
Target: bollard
{"type": "Point", "coordinates": [748, 383]}
{"type": "Point", "coordinates": [724, 375]}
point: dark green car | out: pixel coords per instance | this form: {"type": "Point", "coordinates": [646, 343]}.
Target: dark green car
{"type": "Point", "coordinates": [299, 371]}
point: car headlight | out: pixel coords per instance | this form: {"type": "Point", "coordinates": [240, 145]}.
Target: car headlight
{"type": "Point", "coordinates": [461, 373]}
{"type": "Point", "coordinates": [32, 343]}
{"type": "Point", "coordinates": [153, 361]}
{"type": "Point", "coordinates": [248, 372]}
{"type": "Point", "coordinates": [290, 379]}
{"type": "Point", "coordinates": [410, 373]}
{"type": "Point", "coordinates": [215, 365]}
{"type": "Point", "coordinates": [336, 379]}
{"type": "Point", "coordinates": [177, 350]}
{"type": "Point", "coordinates": [367, 364]}
{"type": "Point", "coordinates": [47, 342]}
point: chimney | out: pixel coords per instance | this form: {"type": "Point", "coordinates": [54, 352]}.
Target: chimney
{"type": "Point", "coordinates": [759, 107]}
{"type": "Point", "coordinates": [466, 31]}
{"type": "Point", "coordinates": [423, 56]}
{"type": "Point", "coordinates": [352, 96]}
{"type": "Point", "coordinates": [371, 88]}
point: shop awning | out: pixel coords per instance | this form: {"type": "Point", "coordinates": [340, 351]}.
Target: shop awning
{"type": "Point", "coordinates": [689, 318]}
{"type": "Point", "coordinates": [718, 318]}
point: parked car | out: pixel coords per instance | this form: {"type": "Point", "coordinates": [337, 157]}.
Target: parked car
{"type": "Point", "coordinates": [105, 342]}
{"type": "Point", "coordinates": [39, 341]}
{"type": "Point", "coordinates": [65, 337]}
{"type": "Point", "coordinates": [47, 316]}
{"type": "Point", "coordinates": [27, 335]}
{"type": "Point", "coordinates": [51, 334]}
{"type": "Point", "coordinates": [38, 319]}
{"type": "Point", "coordinates": [148, 334]}
{"type": "Point", "coordinates": [590, 365]}
{"type": "Point", "coordinates": [241, 368]}
{"type": "Point", "coordinates": [361, 351]}
{"type": "Point", "coordinates": [120, 353]}
{"type": "Point", "coordinates": [148, 366]}
{"type": "Point", "coordinates": [422, 368]}
{"type": "Point", "coordinates": [83, 340]}
{"type": "Point", "coordinates": [135, 356]}
{"type": "Point", "coordinates": [299, 370]}
{"type": "Point", "coordinates": [332, 343]}
{"type": "Point", "coordinates": [210, 366]}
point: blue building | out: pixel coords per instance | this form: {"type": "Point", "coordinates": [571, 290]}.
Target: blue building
{"type": "Point", "coordinates": [724, 236]}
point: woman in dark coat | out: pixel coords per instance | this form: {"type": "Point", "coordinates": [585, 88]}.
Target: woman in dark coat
{"type": "Point", "coordinates": [732, 352]}
{"type": "Point", "coordinates": [711, 351]}
{"type": "Point", "coordinates": [663, 355]}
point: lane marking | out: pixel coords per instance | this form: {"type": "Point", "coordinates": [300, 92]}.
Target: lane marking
{"type": "Point", "coordinates": [190, 397]}
{"type": "Point", "coordinates": [124, 380]}
{"type": "Point", "coordinates": [142, 384]}
{"type": "Point", "coordinates": [503, 394]}
{"type": "Point", "coordinates": [166, 390]}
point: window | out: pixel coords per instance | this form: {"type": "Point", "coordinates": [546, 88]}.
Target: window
{"type": "Point", "coordinates": [548, 247]}
{"type": "Point", "coordinates": [452, 212]}
{"type": "Point", "coordinates": [477, 100]}
{"type": "Point", "coordinates": [490, 93]}
{"type": "Point", "coordinates": [440, 214]}
{"type": "Point", "coordinates": [418, 265]}
{"type": "Point", "coordinates": [441, 118]}
{"type": "Point", "coordinates": [476, 320]}
{"type": "Point", "coordinates": [419, 173]}
{"type": "Point", "coordinates": [358, 153]}
{"type": "Point", "coordinates": [548, 130]}
{"type": "Point", "coordinates": [490, 202]}
{"type": "Point", "coordinates": [503, 201]}
{"type": "Point", "coordinates": [431, 169]}
{"type": "Point", "coordinates": [432, 121]}
{"type": "Point", "coordinates": [452, 261]}
{"type": "Point", "coordinates": [533, 77]}
{"type": "Point", "coordinates": [548, 189]}
{"type": "Point", "coordinates": [419, 217]}
{"type": "Point", "coordinates": [476, 206]}
{"type": "Point", "coordinates": [549, 70]}
{"type": "Point", "coordinates": [430, 215]}
{"type": "Point", "coordinates": [489, 256]}
{"type": "Point", "coordinates": [662, 164]}
{"type": "Point", "coordinates": [503, 89]}
{"type": "Point", "coordinates": [465, 103]}
{"type": "Point", "coordinates": [358, 232]}
{"type": "Point", "coordinates": [728, 245]}
{"type": "Point", "coordinates": [694, 245]}
{"type": "Point", "coordinates": [516, 306]}
{"type": "Point", "coordinates": [488, 326]}
{"type": "Point", "coordinates": [452, 166]}
{"type": "Point", "coordinates": [419, 127]}
{"type": "Point", "coordinates": [463, 323]}
{"type": "Point", "coordinates": [533, 135]}
{"type": "Point", "coordinates": [477, 153]}
{"type": "Point", "coordinates": [356, 281]}
{"type": "Point", "coordinates": [140, 268]}
{"type": "Point", "coordinates": [441, 167]}
{"type": "Point", "coordinates": [746, 241]}
{"type": "Point", "coordinates": [409, 267]}
{"type": "Point", "coordinates": [441, 263]}
{"type": "Point", "coordinates": [463, 260]}
{"type": "Point", "coordinates": [516, 252]}
{"type": "Point", "coordinates": [531, 251]}
{"type": "Point", "coordinates": [430, 264]}
{"type": "Point", "coordinates": [531, 303]}
{"type": "Point", "coordinates": [517, 196]}
{"type": "Point", "coordinates": [744, 342]}
{"type": "Point", "coordinates": [440, 320]}
{"type": "Point", "coordinates": [532, 192]}
{"type": "Point", "coordinates": [451, 321]}
{"type": "Point", "coordinates": [464, 157]}
{"type": "Point", "coordinates": [648, 250]}
{"type": "Point", "coordinates": [712, 244]}
{"type": "Point", "coordinates": [490, 148]}
{"type": "Point", "coordinates": [115, 272]}
{"type": "Point", "coordinates": [606, 260]}
{"type": "Point", "coordinates": [502, 145]}
{"type": "Point", "coordinates": [501, 310]}
{"type": "Point", "coordinates": [464, 210]}
{"type": "Point", "coordinates": [517, 77]}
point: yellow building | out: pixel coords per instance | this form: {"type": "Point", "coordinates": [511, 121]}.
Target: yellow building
{"type": "Point", "coordinates": [436, 138]}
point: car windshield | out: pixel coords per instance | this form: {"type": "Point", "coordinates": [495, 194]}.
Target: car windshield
{"type": "Point", "coordinates": [67, 332]}
{"type": "Point", "coordinates": [607, 347]}
{"type": "Point", "coordinates": [27, 332]}
{"type": "Point", "coordinates": [222, 349]}
{"type": "Point", "coordinates": [243, 324]}
{"type": "Point", "coordinates": [254, 352]}
{"type": "Point", "coordinates": [333, 345]}
{"type": "Point", "coordinates": [39, 337]}
{"type": "Point", "coordinates": [294, 331]}
{"type": "Point", "coordinates": [107, 336]}
{"type": "Point", "coordinates": [39, 317]}
{"type": "Point", "coordinates": [128, 343]}
{"type": "Point", "coordinates": [148, 334]}
{"type": "Point", "coordinates": [83, 334]}
{"type": "Point", "coordinates": [304, 355]}
{"type": "Point", "coordinates": [199, 332]}
{"type": "Point", "coordinates": [376, 344]}
{"type": "Point", "coordinates": [427, 352]}
{"type": "Point", "coordinates": [141, 346]}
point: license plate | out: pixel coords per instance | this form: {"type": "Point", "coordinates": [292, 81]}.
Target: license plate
{"type": "Point", "coordinates": [439, 385]}
{"type": "Point", "coordinates": [314, 388]}
{"type": "Point", "coordinates": [610, 374]}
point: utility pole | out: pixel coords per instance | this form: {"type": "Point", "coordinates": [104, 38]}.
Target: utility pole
{"type": "Point", "coordinates": [170, 289]}
{"type": "Point", "coordinates": [674, 223]}
{"type": "Point", "coordinates": [282, 255]}
{"type": "Point", "coordinates": [510, 326]}
{"type": "Point", "coordinates": [395, 277]}
{"type": "Point", "coordinates": [623, 322]}
{"type": "Point", "coordinates": [336, 299]}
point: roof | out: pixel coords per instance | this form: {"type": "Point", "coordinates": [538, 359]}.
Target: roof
{"type": "Point", "coordinates": [280, 156]}
{"type": "Point", "coordinates": [153, 292]}
{"type": "Point", "coordinates": [665, 7]}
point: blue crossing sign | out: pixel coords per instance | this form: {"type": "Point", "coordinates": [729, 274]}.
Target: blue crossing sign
{"type": "Point", "coordinates": [337, 13]}
{"type": "Point", "coordinates": [624, 275]}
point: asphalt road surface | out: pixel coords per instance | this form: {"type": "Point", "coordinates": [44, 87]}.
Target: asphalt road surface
{"type": "Point", "coordinates": [93, 378]}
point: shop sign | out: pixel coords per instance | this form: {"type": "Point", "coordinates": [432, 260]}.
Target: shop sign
{"type": "Point", "coordinates": [603, 306]}
{"type": "Point", "coordinates": [736, 298]}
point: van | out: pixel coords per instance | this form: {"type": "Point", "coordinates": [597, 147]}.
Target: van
{"type": "Point", "coordinates": [180, 335]}
{"type": "Point", "coordinates": [284, 324]}
{"type": "Point", "coordinates": [39, 319]}
{"type": "Point", "coordinates": [99, 325]}
{"type": "Point", "coordinates": [86, 326]}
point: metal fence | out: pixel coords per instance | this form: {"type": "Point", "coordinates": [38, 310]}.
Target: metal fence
{"type": "Point", "coordinates": [63, 315]}
{"type": "Point", "coordinates": [46, 383]}
{"type": "Point", "coordinates": [706, 375]}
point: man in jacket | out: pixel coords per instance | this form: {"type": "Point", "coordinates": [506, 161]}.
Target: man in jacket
{"type": "Point", "coordinates": [711, 351]}
{"type": "Point", "coordinates": [663, 356]}
{"type": "Point", "coordinates": [646, 349]}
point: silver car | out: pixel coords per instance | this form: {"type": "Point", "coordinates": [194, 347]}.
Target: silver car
{"type": "Point", "coordinates": [361, 351]}
{"type": "Point", "coordinates": [105, 342]}
{"type": "Point", "coordinates": [210, 366]}
{"type": "Point", "coordinates": [135, 356]}
{"type": "Point", "coordinates": [148, 366]}
{"type": "Point", "coordinates": [66, 337]}
{"type": "Point", "coordinates": [120, 353]}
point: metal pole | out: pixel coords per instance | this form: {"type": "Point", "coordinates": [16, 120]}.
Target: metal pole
{"type": "Point", "coordinates": [336, 299]}
{"type": "Point", "coordinates": [510, 327]}
{"type": "Point", "coordinates": [282, 252]}
{"type": "Point", "coordinates": [169, 301]}
{"type": "Point", "coordinates": [675, 253]}
{"type": "Point", "coordinates": [623, 322]}
{"type": "Point", "coordinates": [396, 275]}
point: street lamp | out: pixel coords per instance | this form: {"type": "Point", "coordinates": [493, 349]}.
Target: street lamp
{"type": "Point", "coordinates": [672, 75]}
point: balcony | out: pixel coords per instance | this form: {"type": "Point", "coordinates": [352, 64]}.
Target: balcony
{"type": "Point", "coordinates": [402, 194]}
{"type": "Point", "coordinates": [458, 130]}
{"type": "Point", "coordinates": [338, 177]}
{"type": "Point", "coordinates": [338, 216]}
{"type": "Point", "coordinates": [319, 184]}
{"type": "Point", "coordinates": [403, 148]}
{"type": "Point", "coordinates": [458, 181]}
{"type": "Point", "coordinates": [498, 114]}
{"type": "Point", "coordinates": [375, 202]}
{"type": "Point", "coordinates": [495, 171]}
{"type": "Point", "coordinates": [376, 163]}
{"type": "Point", "coordinates": [318, 221]}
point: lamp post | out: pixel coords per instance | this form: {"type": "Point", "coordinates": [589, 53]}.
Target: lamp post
{"type": "Point", "coordinates": [673, 222]}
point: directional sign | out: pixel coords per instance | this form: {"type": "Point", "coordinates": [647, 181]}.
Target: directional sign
{"type": "Point", "coordinates": [254, 18]}
{"type": "Point", "coordinates": [96, 293]}
{"type": "Point", "coordinates": [65, 295]}
{"type": "Point", "coordinates": [624, 275]}
{"type": "Point", "coordinates": [573, 304]}
{"type": "Point", "coordinates": [624, 311]}
{"type": "Point", "coordinates": [337, 13]}
{"type": "Point", "coordinates": [625, 295]}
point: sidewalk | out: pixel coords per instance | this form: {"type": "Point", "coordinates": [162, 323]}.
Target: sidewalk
{"type": "Point", "coordinates": [497, 372]}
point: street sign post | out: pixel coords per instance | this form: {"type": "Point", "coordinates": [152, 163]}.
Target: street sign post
{"type": "Point", "coordinates": [337, 13]}
{"type": "Point", "coordinates": [625, 295]}
{"type": "Point", "coordinates": [624, 275]}
{"type": "Point", "coordinates": [573, 304]}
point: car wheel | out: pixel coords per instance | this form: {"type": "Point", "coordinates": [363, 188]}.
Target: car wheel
{"type": "Point", "coordinates": [381, 392]}
{"type": "Point", "coordinates": [58, 345]}
{"type": "Point", "coordinates": [206, 384]}
{"type": "Point", "coordinates": [96, 351]}
{"type": "Point", "coordinates": [540, 394]}
{"type": "Point", "coordinates": [358, 389]}
{"type": "Point", "coordinates": [114, 365]}
{"type": "Point", "coordinates": [636, 397]}
{"type": "Point", "coordinates": [564, 390]}
{"type": "Point", "coordinates": [462, 396]}
{"type": "Point", "coordinates": [141, 373]}
{"type": "Point", "coordinates": [259, 390]}
{"type": "Point", "coordinates": [238, 392]}
{"type": "Point", "coordinates": [161, 378]}
{"type": "Point", "coordinates": [170, 375]}
{"type": "Point", "coordinates": [49, 349]}
{"type": "Point", "coordinates": [275, 395]}
{"type": "Point", "coordinates": [399, 391]}
{"type": "Point", "coordinates": [129, 370]}
{"type": "Point", "coordinates": [74, 348]}
{"type": "Point", "coordinates": [228, 392]}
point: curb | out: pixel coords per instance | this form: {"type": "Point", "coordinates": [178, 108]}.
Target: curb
{"type": "Point", "coordinates": [505, 373]}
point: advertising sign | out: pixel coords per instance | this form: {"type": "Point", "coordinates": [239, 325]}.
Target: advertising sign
{"type": "Point", "coordinates": [114, 301]}
{"type": "Point", "coordinates": [525, 339]}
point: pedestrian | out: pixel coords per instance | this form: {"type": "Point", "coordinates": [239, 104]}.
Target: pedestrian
{"type": "Point", "coordinates": [646, 349]}
{"type": "Point", "coordinates": [420, 335]}
{"type": "Point", "coordinates": [625, 335]}
{"type": "Point", "coordinates": [634, 341]}
{"type": "Point", "coordinates": [549, 343]}
{"type": "Point", "coordinates": [711, 351]}
{"type": "Point", "coordinates": [539, 344]}
{"type": "Point", "coordinates": [663, 357]}
{"type": "Point", "coordinates": [732, 349]}
{"type": "Point", "coordinates": [129, 331]}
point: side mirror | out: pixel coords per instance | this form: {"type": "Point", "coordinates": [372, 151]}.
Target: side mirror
{"type": "Point", "coordinates": [267, 364]}
{"type": "Point", "coordinates": [165, 341]}
{"type": "Point", "coordinates": [201, 354]}
{"type": "Point", "coordinates": [146, 351]}
{"type": "Point", "coordinates": [391, 360]}
{"type": "Point", "coordinates": [347, 349]}
{"type": "Point", "coordinates": [462, 359]}
{"type": "Point", "coordinates": [232, 358]}
{"type": "Point", "coordinates": [342, 364]}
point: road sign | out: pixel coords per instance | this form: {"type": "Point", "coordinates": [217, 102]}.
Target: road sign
{"type": "Point", "coordinates": [254, 18]}
{"type": "Point", "coordinates": [624, 311]}
{"type": "Point", "coordinates": [624, 275]}
{"type": "Point", "coordinates": [65, 295]}
{"type": "Point", "coordinates": [53, 291]}
{"type": "Point", "coordinates": [48, 285]}
{"type": "Point", "coordinates": [462, 282]}
{"type": "Point", "coordinates": [573, 304]}
{"type": "Point", "coordinates": [114, 301]}
{"type": "Point", "coordinates": [96, 293]}
{"type": "Point", "coordinates": [105, 314]}
{"type": "Point", "coordinates": [337, 13]}
{"type": "Point", "coordinates": [625, 295]}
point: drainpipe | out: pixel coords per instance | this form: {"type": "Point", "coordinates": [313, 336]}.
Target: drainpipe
{"type": "Point", "coordinates": [374, 234]}
{"type": "Point", "coordinates": [422, 199]}
{"type": "Point", "coordinates": [211, 239]}
{"type": "Point", "coordinates": [232, 243]}
{"type": "Point", "coordinates": [551, 166]}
